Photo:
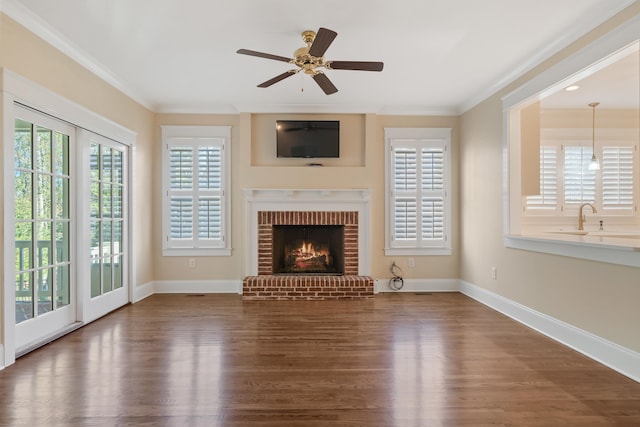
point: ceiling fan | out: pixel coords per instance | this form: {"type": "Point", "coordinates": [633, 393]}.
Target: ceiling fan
{"type": "Point", "coordinates": [311, 57]}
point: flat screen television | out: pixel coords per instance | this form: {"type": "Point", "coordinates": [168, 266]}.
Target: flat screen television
{"type": "Point", "coordinates": [308, 138]}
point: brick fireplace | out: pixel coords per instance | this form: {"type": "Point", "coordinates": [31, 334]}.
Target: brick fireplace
{"type": "Point", "coordinates": [271, 209]}
{"type": "Point", "coordinates": [268, 219]}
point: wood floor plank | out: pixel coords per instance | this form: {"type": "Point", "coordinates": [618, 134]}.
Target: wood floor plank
{"type": "Point", "coordinates": [394, 360]}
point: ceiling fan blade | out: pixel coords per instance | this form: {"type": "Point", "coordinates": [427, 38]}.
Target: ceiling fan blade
{"type": "Point", "coordinates": [355, 65]}
{"type": "Point", "coordinates": [324, 83]}
{"type": "Point", "coordinates": [324, 38]}
{"type": "Point", "coordinates": [263, 55]}
{"type": "Point", "coordinates": [276, 79]}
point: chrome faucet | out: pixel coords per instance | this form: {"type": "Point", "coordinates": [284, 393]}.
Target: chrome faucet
{"type": "Point", "coordinates": [581, 218]}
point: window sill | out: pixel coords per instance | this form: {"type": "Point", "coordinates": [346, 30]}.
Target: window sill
{"type": "Point", "coordinates": [416, 251]}
{"type": "Point", "coordinates": [196, 252]}
{"type": "Point", "coordinates": [592, 248]}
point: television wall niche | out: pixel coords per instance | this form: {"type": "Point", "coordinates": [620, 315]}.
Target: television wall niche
{"type": "Point", "coordinates": [352, 140]}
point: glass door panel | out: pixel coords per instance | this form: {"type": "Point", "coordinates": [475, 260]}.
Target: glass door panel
{"type": "Point", "coordinates": [43, 263]}
{"type": "Point", "coordinates": [23, 212]}
{"type": "Point", "coordinates": [106, 227]}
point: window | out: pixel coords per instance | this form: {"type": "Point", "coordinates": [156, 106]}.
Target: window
{"type": "Point", "coordinates": [566, 182]}
{"type": "Point", "coordinates": [417, 191]}
{"type": "Point", "coordinates": [196, 204]}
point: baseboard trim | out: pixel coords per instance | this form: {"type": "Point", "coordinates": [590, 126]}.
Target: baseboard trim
{"type": "Point", "coordinates": [418, 285]}
{"type": "Point", "coordinates": [198, 286]}
{"type": "Point", "coordinates": [612, 355]}
{"type": "Point", "coordinates": [143, 291]}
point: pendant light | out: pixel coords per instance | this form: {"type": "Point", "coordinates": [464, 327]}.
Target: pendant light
{"type": "Point", "coordinates": [594, 165]}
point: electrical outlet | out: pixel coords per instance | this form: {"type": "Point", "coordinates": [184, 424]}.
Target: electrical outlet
{"type": "Point", "coordinates": [494, 273]}
{"type": "Point", "coordinates": [192, 263]}
{"type": "Point", "coordinates": [411, 262]}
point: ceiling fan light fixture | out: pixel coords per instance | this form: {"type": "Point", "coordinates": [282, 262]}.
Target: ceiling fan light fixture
{"type": "Point", "coordinates": [301, 52]}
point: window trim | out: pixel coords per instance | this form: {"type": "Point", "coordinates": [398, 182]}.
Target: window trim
{"type": "Point", "coordinates": [421, 136]}
{"type": "Point", "coordinates": [173, 133]}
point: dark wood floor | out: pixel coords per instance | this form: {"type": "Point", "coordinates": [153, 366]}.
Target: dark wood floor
{"type": "Point", "coordinates": [395, 360]}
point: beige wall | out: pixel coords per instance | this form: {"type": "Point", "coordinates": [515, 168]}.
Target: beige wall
{"type": "Point", "coordinates": [606, 118]}
{"type": "Point", "coordinates": [254, 165]}
{"type": "Point", "coordinates": [530, 149]}
{"type": "Point", "coordinates": [597, 297]}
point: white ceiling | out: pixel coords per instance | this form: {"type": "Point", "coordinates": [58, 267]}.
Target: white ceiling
{"type": "Point", "coordinates": [441, 57]}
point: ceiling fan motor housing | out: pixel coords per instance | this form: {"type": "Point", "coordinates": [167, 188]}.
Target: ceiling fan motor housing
{"type": "Point", "coordinates": [301, 56]}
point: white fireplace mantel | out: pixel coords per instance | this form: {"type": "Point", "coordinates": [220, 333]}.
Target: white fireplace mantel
{"type": "Point", "coordinates": [310, 195]}
{"type": "Point", "coordinates": [306, 200]}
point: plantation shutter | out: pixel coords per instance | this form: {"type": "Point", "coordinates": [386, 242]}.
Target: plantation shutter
{"type": "Point", "coordinates": [617, 178]}
{"type": "Point", "coordinates": [579, 181]}
{"type": "Point", "coordinates": [405, 206]}
{"type": "Point", "coordinates": [432, 193]}
{"type": "Point", "coordinates": [210, 186]}
{"type": "Point", "coordinates": [195, 193]}
{"type": "Point", "coordinates": [547, 201]}
{"type": "Point", "coordinates": [181, 206]}
{"type": "Point", "coordinates": [418, 193]}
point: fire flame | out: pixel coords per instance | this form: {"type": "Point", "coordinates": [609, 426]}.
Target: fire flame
{"type": "Point", "coordinates": [306, 257]}
{"type": "Point", "coordinates": [307, 250]}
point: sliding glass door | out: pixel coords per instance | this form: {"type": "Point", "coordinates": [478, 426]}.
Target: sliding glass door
{"type": "Point", "coordinates": [70, 243]}
{"type": "Point", "coordinates": [44, 279]}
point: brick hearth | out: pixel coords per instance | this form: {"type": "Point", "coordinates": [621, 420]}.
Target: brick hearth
{"type": "Point", "coordinates": [284, 287]}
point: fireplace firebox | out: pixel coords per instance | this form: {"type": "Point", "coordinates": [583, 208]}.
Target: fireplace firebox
{"type": "Point", "coordinates": [308, 249]}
